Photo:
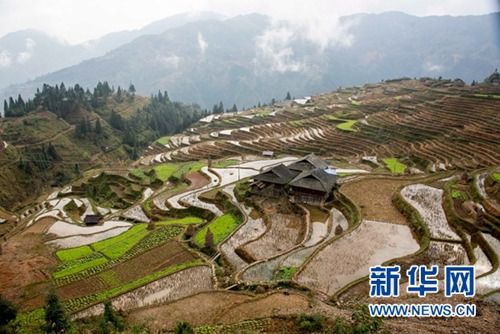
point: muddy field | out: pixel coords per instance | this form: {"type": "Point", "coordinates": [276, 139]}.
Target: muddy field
{"type": "Point", "coordinates": [374, 198]}
{"type": "Point", "coordinates": [285, 231]}
{"type": "Point", "coordinates": [172, 287]}
{"type": "Point", "coordinates": [336, 265]}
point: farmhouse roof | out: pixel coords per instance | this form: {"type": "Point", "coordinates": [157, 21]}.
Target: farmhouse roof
{"type": "Point", "coordinates": [278, 175]}
{"type": "Point", "coordinates": [92, 219]}
{"type": "Point", "coordinates": [315, 179]}
{"type": "Point", "coordinates": [308, 162]}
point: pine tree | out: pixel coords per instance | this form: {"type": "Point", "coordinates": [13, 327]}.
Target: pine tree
{"type": "Point", "coordinates": [81, 129]}
{"type": "Point", "coordinates": [183, 328]}
{"type": "Point", "coordinates": [116, 120]}
{"type": "Point", "coordinates": [56, 320]}
{"type": "Point", "coordinates": [98, 127]}
{"type": "Point", "coordinates": [52, 152]}
{"type": "Point", "coordinates": [288, 97]}
{"type": "Point", "coordinates": [209, 239]}
{"type": "Point", "coordinates": [8, 312]}
{"type": "Point", "coordinates": [110, 317]}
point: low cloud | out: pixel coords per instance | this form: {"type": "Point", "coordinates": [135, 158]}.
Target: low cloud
{"type": "Point", "coordinates": [202, 43]}
{"type": "Point", "coordinates": [24, 56]}
{"type": "Point", "coordinates": [276, 45]}
{"type": "Point", "coordinates": [168, 61]}
{"type": "Point", "coordinates": [433, 67]}
{"type": "Point", "coordinates": [5, 59]}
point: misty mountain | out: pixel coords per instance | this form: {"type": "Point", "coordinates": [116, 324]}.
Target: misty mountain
{"type": "Point", "coordinates": [251, 58]}
{"type": "Point", "coordinates": [27, 54]}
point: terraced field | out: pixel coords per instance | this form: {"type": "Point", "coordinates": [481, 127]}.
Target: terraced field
{"type": "Point", "coordinates": [412, 205]}
{"type": "Point", "coordinates": [431, 128]}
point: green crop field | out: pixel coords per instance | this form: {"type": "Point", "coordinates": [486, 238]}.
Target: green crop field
{"type": "Point", "coordinates": [187, 168]}
{"type": "Point", "coordinates": [111, 241]}
{"type": "Point", "coordinates": [225, 163]}
{"type": "Point", "coordinates": [347, 126]}
{"type": "Point", "coordinates": [73, 253]}
{"type": "Point", "coordinates": [79, 267]}
{"type": "Point", "coordinates": [118, 249]}
{"type": "Point", "coordinates": [220, 227]}
{"type": "Point", "coordinates": [164, 140]}
{"type": "Point", "coordinates": [181, 221]}
{"type": "Point", "coordinates": [163, 172]}
{"type": "Point", "coordinates": [394, 165]}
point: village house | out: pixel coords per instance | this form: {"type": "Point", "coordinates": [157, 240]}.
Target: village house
{"type": "Point", "coordinates": [91, 220]}
{"type": "Point", "coordinates": [307, 180]}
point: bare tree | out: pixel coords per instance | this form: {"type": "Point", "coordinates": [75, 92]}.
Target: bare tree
{"type": "Point", "coordinates": [209, 239]}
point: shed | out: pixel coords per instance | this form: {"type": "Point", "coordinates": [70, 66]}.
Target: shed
{"type": "Point", "coordinates": [92, 219]}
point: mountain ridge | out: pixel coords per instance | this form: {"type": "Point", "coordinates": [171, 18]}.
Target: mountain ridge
{"type": "Point", "coordinates": [249, 59]}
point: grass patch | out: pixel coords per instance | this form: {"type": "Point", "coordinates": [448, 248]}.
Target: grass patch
{"type": "Point", "coordinates": [284, 273]}
{"type": "Point", "coordinates": [73, 253]}
{"type": "Point", "coordinates": [333, 118]}
{"type": "Point", "coordinates": [347, 126]}
{"type": "Point", "coordinates": [187, 168]}
{"type": "Point", "coordinates": [181, 221]}
{"type": "Point", "coordinates": [458, 194]}
{"type": "Point", "coordinates": [220, 227]}
{"type": "Point", "coordinates": [225, 163]}
{"type": "Point", "coordinates": [496, 176]}
{"type": "Point", "coordinates": [164, 140]}
{"type": "Point", "coordinates": [263, 112]}
{"type": "Point", "coordinates": [112, 241]}
{"type": "Point", "coordinates": [163, 172]}
{"type": "Point", "coordinates": [297, 123]}
{"type": "Point", "coordinates": [394, 165]}
{"type": "Point", "coordinates": [317, 215]}
{"type": "Point", "coordinates": [356, 103]}
{"type": "Point", "coordinates": [488, 96]}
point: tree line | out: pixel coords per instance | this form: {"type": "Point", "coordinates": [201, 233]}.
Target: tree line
{"type": "Point", "coordinates": [63, 101]}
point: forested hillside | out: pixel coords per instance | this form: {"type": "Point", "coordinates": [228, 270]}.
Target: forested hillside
{"type": "Point", "coordinates": [54, 137]}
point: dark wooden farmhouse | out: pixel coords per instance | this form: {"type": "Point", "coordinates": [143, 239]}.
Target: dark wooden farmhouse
{"type": "Point", "coordinates": [92, 219]}
{"type": "Point", "coordinates": [307, 180]}
{"type": "Point", "coordinates": [273, 181]}
{"type": "Point", "coordinates": [312, 186]}
{"type": "Point", "coordinates": [308, 162]}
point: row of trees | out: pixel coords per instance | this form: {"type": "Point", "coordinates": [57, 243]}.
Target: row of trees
{"type": "Point", "coordinates": [38, 159]}
{"type": "Point", "coordinates": [219, 108]}
{"type": "Point", "coordinates": [63, 101]}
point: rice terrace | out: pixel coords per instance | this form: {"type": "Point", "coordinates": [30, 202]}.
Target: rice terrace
{"type": "Point", "coordinates": [249, 218]}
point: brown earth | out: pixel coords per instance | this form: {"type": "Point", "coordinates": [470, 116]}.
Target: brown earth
{"type": "Point", "coordinates": [374, 198]}
{"type": "Point", "coordinates": [223, 307]}
{"type": "Point", "coordinates": [25, 266]}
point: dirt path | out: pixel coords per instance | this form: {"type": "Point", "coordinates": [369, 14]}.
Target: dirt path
{"type": "Point", "coordinates": [71, 128]}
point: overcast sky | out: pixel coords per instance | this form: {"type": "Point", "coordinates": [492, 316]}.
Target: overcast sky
{"type": "Point", "coordinates": [76, 21]}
